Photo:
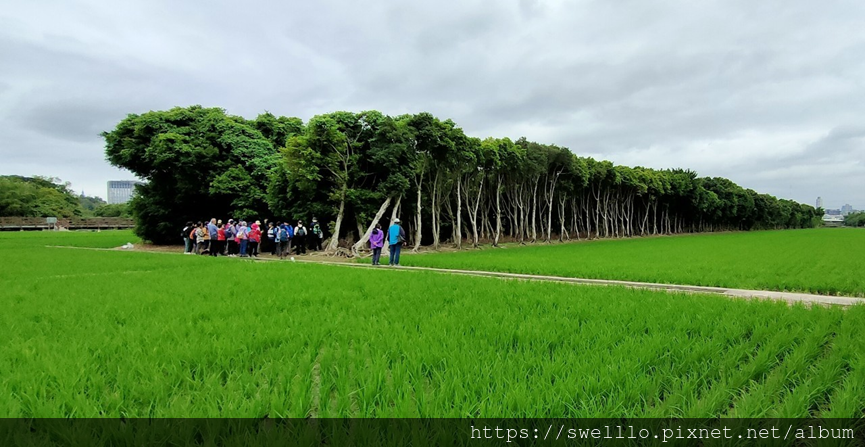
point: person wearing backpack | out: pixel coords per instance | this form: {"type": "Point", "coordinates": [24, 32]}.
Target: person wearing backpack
{"type": "Point", "coordinates": [284, 240]}
{"type": "Point", "coordinates": [200, 239]}
{"type": "Point", "coordinates": [193, 237]}
{"type": "Point", "coordinates": [300, 238]}
{"type": "Point", "coordinates": [317, 236]}
{"type": "Point", "coordinates": [276, 238]}
{"type": "Point", "coordinates": [396, 239]}
{"type": "Point", "coordinates": [243, 237]}
{"type": "Point", "coordinates": [230, 240]}
{"type": "Point", "coordinates": [188, 242]}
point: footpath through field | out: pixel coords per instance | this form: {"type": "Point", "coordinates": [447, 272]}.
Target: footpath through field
{"type": "Point", "coordinates": [791, 297]}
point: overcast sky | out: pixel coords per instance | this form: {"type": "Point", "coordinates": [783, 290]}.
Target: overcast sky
{"type": "Point", "coordinates": [770, 94]}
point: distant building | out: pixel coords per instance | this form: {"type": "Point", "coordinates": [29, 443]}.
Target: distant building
{"type": "Point", "coordinates": [819, 202]}
{"type": "Point", "coordinates": [120, 191]}
{"type": "Point", "coordinates": [833, 220]}
{"type": "Point", "coordinates": [833, 212]}
{"type": "Point", "coordinates": [846, 209]}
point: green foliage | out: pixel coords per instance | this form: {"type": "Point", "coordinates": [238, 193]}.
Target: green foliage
{"type": "Point", "coordinates": [113, 210]}
{"type": "Point", "coordinates": [134, 335]}
{"type": "Point", "coordinates": [855, 220]}
{"type": "Point", "coordinates": [202, 163]}
{"type": "Point", "coordinates": [198, 163]}
{"type": "Point", "coordinates": [37, 197]}
{"type": "Point", "coordinates": [89, 205]}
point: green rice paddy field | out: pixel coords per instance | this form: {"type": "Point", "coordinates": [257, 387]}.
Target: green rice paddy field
{"type": "Point", "coordinates": [92, 333]}
{"type": "Point", "coordinates": [825, 261]}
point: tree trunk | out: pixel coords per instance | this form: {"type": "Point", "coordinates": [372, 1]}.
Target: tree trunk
{"type": "Point", "coordinates": [385, 251]}
{"type": "Point", "coordinates": [436, 212]}
{"type": "Point", "coordinates": [458, 237]}
{"type": "Point", "coordinates": [356, 247]}
{"type": "Point", "coordinates": [475, 214]}
{"type": "Point", "coordinates": [535, 209]}
{"type": "Point", "coordinates": [418, 219]}
{"type": "Point", "coordinates": [334, 239]}
{"type": "Point", "coordinates": [498, 212]}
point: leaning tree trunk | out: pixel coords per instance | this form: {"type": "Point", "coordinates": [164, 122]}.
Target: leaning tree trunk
{"type": "Point", "coordinates": [356, 247]}
{"type": "Point", "coordinates": [385, 251]}
{"type": "Point", "coordinates": [334, 239]}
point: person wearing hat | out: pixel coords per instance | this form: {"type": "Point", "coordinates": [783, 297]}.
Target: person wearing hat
{"type": "Point", "coordinates": [300, 238]}
{"type": "Point", "coordinates": [317, 236]}
{"type": "Point", "coordinates": [395, 240]}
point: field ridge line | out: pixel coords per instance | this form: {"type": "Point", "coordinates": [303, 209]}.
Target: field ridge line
{"type": "Point", "coordinates": [790, 297]}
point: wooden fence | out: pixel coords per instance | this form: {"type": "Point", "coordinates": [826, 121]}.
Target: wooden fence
{"type": "Point", "coordinates": [73, 223]}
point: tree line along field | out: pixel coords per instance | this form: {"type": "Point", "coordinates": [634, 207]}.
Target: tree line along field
{"type": "Point", "coordinates": [111, 333]}
{"type": "Point", "coordinates": [821, 261]}
{"type": "Point", "coordinates": [350, 169]}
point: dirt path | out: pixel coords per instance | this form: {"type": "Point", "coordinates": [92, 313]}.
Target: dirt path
{"type": "Point", "coordinates": [790, 297]}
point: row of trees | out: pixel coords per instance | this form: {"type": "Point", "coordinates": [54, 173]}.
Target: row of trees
{"type": "Point", "coordinates": [855, 220]}
{"type": "Point", "coordinates": [50, 197]}
{"type": "Point", "coordinates": [350, 169]}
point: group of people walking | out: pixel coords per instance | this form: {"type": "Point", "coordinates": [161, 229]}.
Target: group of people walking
{"type": "Point", "coordinates": [236, 238]}
{"type": "Point", "coordinates": [232, 239]}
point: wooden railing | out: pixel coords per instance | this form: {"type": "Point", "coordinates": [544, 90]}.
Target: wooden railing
{"type": "Point", "coordinates": [73, 223]}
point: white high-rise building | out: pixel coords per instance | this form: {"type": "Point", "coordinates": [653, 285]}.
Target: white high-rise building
{"type": "Point", "coordinates": [819, 202]}
{"type": "Point", "coordinates": [120, 191]}
{"type": "Point", "coordinates": [846, 209]}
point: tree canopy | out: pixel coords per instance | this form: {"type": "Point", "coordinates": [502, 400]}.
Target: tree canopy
{"type": "Point", "coordinates": [50, 197]}
{"type": "Point", "coordinates": [855, 219]}
{"type": "Point", "coordinates": [37, 197]}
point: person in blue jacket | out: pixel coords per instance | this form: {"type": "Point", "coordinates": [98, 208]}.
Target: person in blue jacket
{"type": "Point", "coordinates": [395, 240]}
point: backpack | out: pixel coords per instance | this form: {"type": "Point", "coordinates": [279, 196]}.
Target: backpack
{"type": "Point", "coordinates": [283, 234]}
{"type": "Point", "coordinates": [301, 231]}
{"type": "Point", "coordinates": [316, 229]}
{"type": "Point", "coordinates": [192, 233]}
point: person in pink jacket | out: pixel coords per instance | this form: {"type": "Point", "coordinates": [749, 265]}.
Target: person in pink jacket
{"type": "Point", "coordinates": [254, 238]}
{"type": "Point", "coordinates": [376, 242]}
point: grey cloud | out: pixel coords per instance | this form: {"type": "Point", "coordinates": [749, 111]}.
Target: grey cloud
{"type": "Point", "coordinates": [761, 92]}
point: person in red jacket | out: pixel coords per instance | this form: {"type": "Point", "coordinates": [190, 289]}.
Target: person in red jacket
{"type": "Point", "coordinates": [255, 238]}
{"type": "Point", "coordinates": [219, 248]}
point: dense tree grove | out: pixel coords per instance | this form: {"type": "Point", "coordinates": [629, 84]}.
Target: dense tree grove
{"type": "Point", "coordinates": [49, 197]}
{"type": "Point", "coordinates": [36, 197]}
{"type": "Point", "coordinates": [350, 169]}
{"type": "Point", "coordinates": [855, 220]}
